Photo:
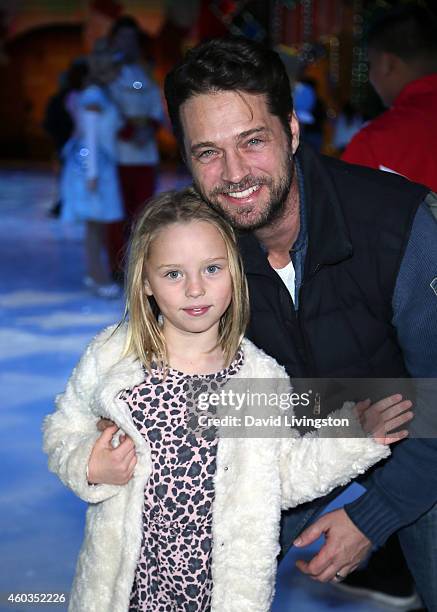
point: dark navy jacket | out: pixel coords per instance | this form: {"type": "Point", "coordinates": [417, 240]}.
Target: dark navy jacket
{"type": "Point", "coordinates": [358, 225]}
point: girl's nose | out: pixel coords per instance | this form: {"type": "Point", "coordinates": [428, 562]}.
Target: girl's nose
{"type": "Point", "coordinates": [194, 288]}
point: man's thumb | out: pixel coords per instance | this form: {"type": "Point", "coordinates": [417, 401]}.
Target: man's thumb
{"type": "Point", "coordinates": [308, 536]}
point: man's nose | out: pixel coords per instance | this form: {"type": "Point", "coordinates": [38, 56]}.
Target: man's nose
{"type": "Point", "coordinates": [235, 167]}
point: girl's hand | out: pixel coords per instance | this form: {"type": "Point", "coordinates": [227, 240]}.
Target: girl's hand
{"type": "Point", "coordinates": [102, 424]}
{"type": "Point", "coordinates": [108, 465]}
{"type": "Point", "coordinates": [383, 417]}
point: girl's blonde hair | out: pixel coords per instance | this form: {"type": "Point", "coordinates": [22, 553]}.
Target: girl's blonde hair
{"type": "Point", "coordinates": [144, 333]}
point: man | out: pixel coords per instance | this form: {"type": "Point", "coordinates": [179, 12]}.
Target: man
{"type": "Point", "coordinates": [139, 100]}
{"type": "Point", "coordinates": [402, 49]}
{"type": "Point", "coordinates": [331, 278]}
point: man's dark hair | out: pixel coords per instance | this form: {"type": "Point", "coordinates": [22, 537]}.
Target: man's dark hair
{"type": "Point", "coordinates": [410, 32]}
{"type": "Point", "coordinates": [229, 64]}
{"type": "Point", "coordinates": [125, 21]}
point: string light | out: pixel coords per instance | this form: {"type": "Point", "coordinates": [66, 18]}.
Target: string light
{"type": "Point", "coordinates": [359, 60]}
{"type": "Point", "coordinates": [307, 31]}
{"type": "Point", "coordinates": [334, 60]}
{"type": "Point", "coordinates": [276, 22]}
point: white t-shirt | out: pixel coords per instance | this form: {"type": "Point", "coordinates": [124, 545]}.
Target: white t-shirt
{"type": "Point", "coordinates": [288, 277]}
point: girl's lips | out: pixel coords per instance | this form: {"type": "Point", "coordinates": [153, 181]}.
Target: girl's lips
{"type": "Point", "coordinates": [196, 311]}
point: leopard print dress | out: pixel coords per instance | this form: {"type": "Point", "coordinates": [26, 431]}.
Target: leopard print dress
{"type": "Point", "coordinates": [174, 569]}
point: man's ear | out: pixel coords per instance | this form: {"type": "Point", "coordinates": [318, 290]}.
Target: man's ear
{"type": "Point", "coordinates": [295, 131]}
{"type": "Point", "coordinates": [388, 63]}
{"type": "Point", "coordinates": [148, 288]}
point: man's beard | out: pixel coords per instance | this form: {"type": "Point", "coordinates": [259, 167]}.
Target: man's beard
{"type": "Point", "coordinates": [237, 215]}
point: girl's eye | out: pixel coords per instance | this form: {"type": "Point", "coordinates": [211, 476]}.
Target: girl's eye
{"type": "Point", "coordinates": [173, 274]}
{"type": "Point", "coordinates": [213, 269]}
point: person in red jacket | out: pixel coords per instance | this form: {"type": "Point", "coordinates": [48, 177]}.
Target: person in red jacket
{"type": "Point", "coordinates": [402, 53]}
{"type": "Point", "coordinates": [403, 71]}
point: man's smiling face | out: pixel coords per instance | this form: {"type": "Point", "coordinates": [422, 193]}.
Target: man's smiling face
{"type": "Point", "coordinates": [239, 155]}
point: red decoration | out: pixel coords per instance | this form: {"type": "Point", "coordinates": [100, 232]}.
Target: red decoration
{"type": "Point", "coordinates": [227, 7]}
{"type": "Point", "coordinates": [109, 8]}
{"type": "Point", "coordinates": [208, 24]}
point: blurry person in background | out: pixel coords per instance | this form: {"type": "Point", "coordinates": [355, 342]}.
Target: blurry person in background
{"type": "Point", "coordinates": [58, 122]}
{"type": "Point", "coordinates": [310, 111]}
{"type": "Point", "coordinates": [347, 124]}
{"type": "Point", "coordinates": [139, 100]}
{"type": "Point", "coordinates": [89, 186]}
{"type": "Point", "coordinates": [403, 71]}
{"type": "Point", "coordinates": [304, 98]}
{"type": "Point", "coordinates": [402, 50]}
{"type": "Point", "coordinates": [77, 78]}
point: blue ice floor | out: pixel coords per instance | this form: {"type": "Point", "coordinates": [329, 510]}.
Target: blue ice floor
{"type": "Point", "coordinates": [46, 319]}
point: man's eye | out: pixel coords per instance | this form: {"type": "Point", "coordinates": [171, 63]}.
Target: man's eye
{"type": "Point", "coordinates": [173, 274]}
{"type": "Point", "coordinates": [254, 141]}
{"type": "Point", "coordinates": [206, 154]}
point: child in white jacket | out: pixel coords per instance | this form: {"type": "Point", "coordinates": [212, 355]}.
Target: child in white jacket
{"type": "Point", "coordinates": [179, 520]}
{"type": "Point", "coordinates": [90, 184]}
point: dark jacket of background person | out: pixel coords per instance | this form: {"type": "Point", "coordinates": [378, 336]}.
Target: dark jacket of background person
{"type": "Point", "coordinates": [58, 123]}
{"type": "Point", "coordinates": [353, 257]}
{"type": "Point", "coordinates": [57, 120]}
{"type": "Point", "coordinates": [403, 139]}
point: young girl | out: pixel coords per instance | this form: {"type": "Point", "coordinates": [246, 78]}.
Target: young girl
{"type": "Point", "coordinates": [89, 183]}
{"type": "Point", "coordinates": [177, 521]}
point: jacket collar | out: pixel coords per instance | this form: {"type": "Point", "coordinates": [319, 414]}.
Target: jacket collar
{"type": "Point", "coordinates": [122, 373]}
{"type": "Point", "coordinates": [329, 241]}
{"type": "Point", "coordinates": [418, 87]}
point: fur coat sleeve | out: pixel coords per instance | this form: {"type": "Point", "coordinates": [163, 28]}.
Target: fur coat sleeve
{"type": "Point", "coordinates": [313, 465]}
{"type": "Point", "coordinates": [70, 432]}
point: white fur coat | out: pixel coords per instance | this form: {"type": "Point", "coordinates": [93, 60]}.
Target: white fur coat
{"type": "Point", "coordinates": [255, 479]}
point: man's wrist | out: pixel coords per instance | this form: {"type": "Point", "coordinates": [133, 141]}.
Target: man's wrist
{"type": "Point", "coordinates": [373, 517]}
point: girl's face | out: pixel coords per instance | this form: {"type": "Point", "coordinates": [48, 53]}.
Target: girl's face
{"type": "Point", "coordinates": [188, 274]}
